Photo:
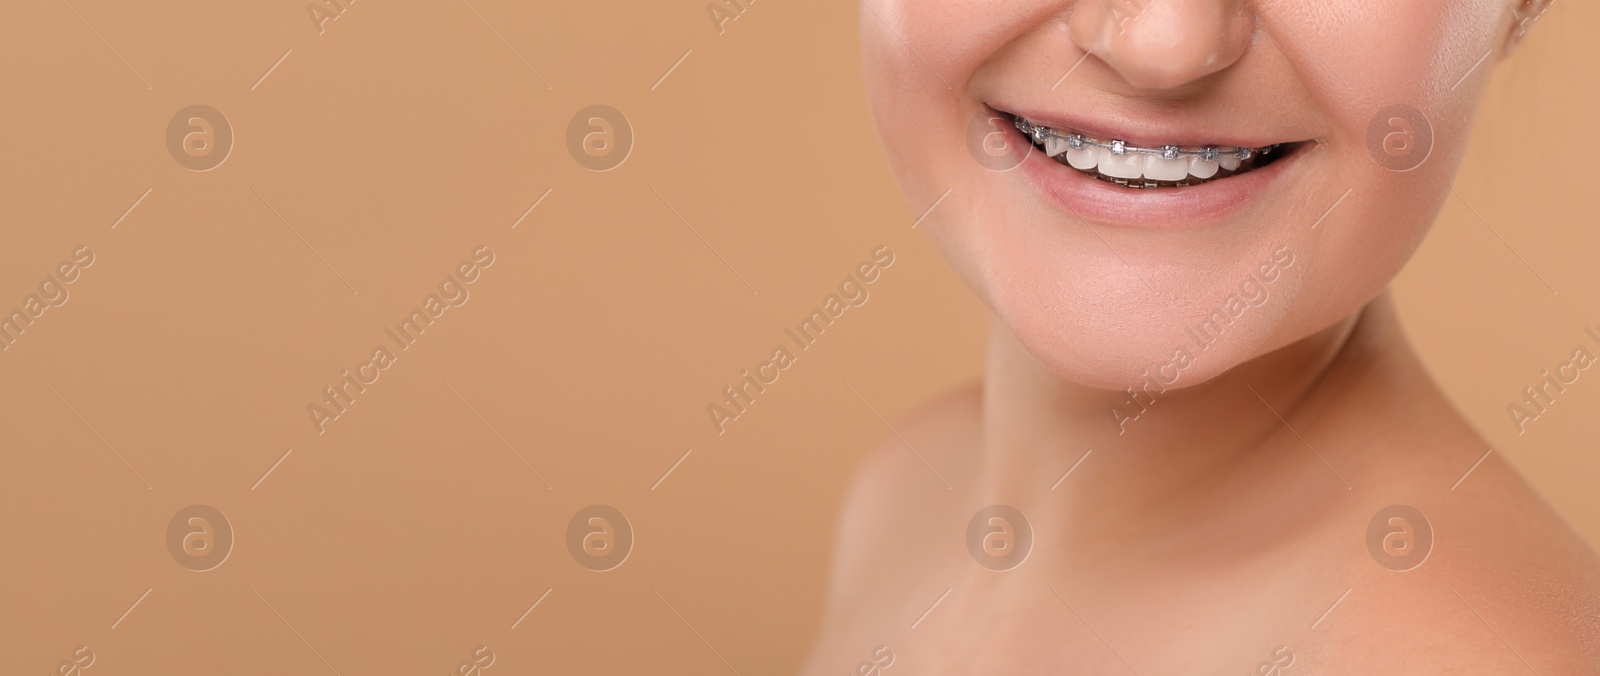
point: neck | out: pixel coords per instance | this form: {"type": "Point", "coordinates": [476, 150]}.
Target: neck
{"type": "Point", "coordinates": [1189, 455]}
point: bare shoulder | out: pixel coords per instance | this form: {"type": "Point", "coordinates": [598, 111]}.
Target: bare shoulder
{"type": "Point", "coordinates": [938, 437]}
{"type": "Point", "coordinates": [889, 533]}
{"type": "Point", "coordinates": [1506, 586]}
{"type": "Point", "coordinates": [911, 468]}
{"type": "Point", "coordinates": [904, 479]}
{"type": "Point", "coordinates": [1454, 563]}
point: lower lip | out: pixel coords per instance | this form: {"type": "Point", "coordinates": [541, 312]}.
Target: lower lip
{"type": "Point", "coordinates": [1193, 206]}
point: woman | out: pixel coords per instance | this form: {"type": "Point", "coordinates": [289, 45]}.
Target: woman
{"type": "Point", "coordinates": [1202, 444]}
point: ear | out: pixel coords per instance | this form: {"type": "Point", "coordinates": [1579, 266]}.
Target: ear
{"type": "Point", "coordinates": [1524, 14]}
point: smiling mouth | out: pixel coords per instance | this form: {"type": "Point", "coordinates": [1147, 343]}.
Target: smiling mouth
{"type": "Point", "coordinates": [1168, 166]}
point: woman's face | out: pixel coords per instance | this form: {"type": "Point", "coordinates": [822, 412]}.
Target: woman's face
{"type": "Point", "coordinates": [1356, 112]}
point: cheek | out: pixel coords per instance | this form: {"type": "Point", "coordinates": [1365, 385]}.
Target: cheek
{"type": "Point", "coordinates": [1417, 77]}
{"type": "Point", "coordinates": [1403, 109]}
{"type": "Point", "coordinates": [938, 43]}
{"type": "Point", "coordinates": [919, 58]}
{"type": "Point", "coordinates": [1410, 52]}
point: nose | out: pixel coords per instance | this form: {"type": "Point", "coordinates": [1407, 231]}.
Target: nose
{"type": "Point", "coordinates": [1163, 44]}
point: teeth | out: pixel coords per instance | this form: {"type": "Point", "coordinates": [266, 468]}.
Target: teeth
{"type": "Point", "coordinates": [1083, 159]}
{"type": "Point", "coordinates": [1122, 165]}
{"type": "Point", "coordinates": [1054, 145]}
{"type": "Point", "coordinates": [1200, 168]}
{"type": "Point", "coordinates": [1163, 169]}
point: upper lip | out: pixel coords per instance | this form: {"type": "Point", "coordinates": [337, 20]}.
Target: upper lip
{"type": "Point", "coordinates": [1144, 132]}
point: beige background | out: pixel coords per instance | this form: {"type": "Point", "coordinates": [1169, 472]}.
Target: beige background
{"type": "Point", "coordinates": [405, 135]}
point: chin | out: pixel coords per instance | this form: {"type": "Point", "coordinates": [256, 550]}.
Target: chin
{"type": "Point", "coordinates": [1084, 352]}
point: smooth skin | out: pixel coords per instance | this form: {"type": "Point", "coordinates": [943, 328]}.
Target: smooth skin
{"type": "Point", "coordinates": [1225, 530]}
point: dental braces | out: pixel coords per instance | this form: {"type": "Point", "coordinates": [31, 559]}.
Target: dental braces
{"type": "Point", "coordinates": [1079, 141]}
